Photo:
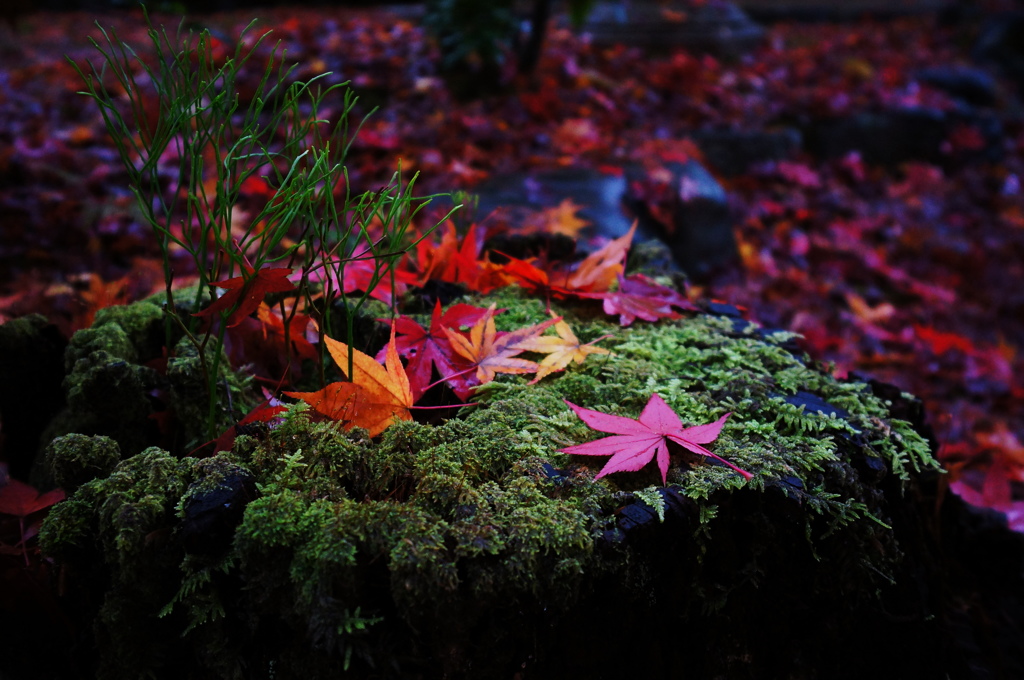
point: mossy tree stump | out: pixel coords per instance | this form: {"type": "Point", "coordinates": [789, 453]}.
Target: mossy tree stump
{"type": "Point", "coordinates": [474, 548]}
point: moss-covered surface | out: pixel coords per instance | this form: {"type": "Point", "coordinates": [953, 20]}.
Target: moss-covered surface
{"type": "Point", "coordinates": [475, 549]}
{"type": "Point", "coordinates": [118, 384]}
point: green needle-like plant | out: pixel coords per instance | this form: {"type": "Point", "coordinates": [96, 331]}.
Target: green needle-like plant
{"type": "Point", "coordinates": [192, 126]}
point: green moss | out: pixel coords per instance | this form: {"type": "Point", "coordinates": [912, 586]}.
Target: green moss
{"type": "Point", "coordinates": [75, 459]}
{"type": "Point", "coordinates": [110, 339]}
{"type": "Point", "coordinates": [107, 395]}
{"type": "Point", "coordinates": [142, 322]}
{"type": "Point", "coordinates": [188, 382]}
{"type": "Point", "coordinates": [138, 499]}
{"type": "Point", "coordinates": [69, 532]}
{"type": "Point", "coordinates": [111, 390]}
{"type": "Point", "coordinates": [481, 521]}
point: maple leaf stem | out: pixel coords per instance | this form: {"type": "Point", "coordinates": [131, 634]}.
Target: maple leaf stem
{"type": "Point", "coordinates": [449, 377]}
{"type": "Point", "coordinates": [746, 475]}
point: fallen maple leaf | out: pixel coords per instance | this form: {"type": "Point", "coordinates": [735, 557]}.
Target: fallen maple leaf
{"type": "Point", "coordinates": [595, 274]}
{"type": "Point", "coordinates": [263, 412]}
{"type": "Point", "coordinates": [450, 260]}
{"type": "Point", "coordinates": [490, 352]}
{"type": "Point", "coordinates": [462, 265]}
{"type": "Point", "coordinates": [274, 329]}
{"type": "Point", "coordinates": [426, 349]}
{"type": "Point", "coordinates": [640, 297]}
{"type": "Point", "coordinates": [638, 441]}
{"type": "Point", "coordinates": [246, 292]}
{"type": "Point", "coordinates": [362, 273]}
{"type": "Point", "coordinates": [599, 270]}
{"type": "Point", "coordinates": [21, 500]}
{"type": "Point", "coordinates": [561, 350]}
{"type": "Point", "coordinates": [560, 219]}
{"type": "Point", "coordinates": [374, 399]}
{"type": "Point", "coordinates": [941, 342]}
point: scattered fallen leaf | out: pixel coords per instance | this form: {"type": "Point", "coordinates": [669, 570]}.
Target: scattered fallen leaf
{"type": "Point", "coordinates": [245, 293]}
{"type": "Point", "coordinates": [427, 349]}
{"type": "Point", "coordinates": [637, 442]}
{"type": "Point", "coordinates": [375, 398]}
{"type": "Point", "coordinates": [21, 500]}
{"type": "Point", "coordinates": [561, 350]}
{"type": "Point", "coordinates": [638, 297]}
{"type": "Point", "coordinates": [491, 353]}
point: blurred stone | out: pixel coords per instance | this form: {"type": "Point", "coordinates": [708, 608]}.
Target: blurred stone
{"type": "Point", "coordinates": [714, 26]}
{"type": "Point", "coordinates": [700, 235]}
{"type": "Point", "coordinates": [701, 238]}
{"type": "Point", "coordinates": [732, 152]}
{"type": "Point", "coordinates": [1001, 42]}
{"type": "Point", "coordinates": [893, 136]}
{"type": "Point", "coordinates": [598, 193]}
{"type": "Point", "coordinates": [970, 85]}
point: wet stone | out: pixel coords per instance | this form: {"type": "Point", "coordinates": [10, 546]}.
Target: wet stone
{"type": "Point", "coordinates": [210, 517]}
{"type": "Point", "coordinates": [700, 236]}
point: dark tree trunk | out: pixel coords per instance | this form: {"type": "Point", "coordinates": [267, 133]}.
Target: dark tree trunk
{"type": "Point", "coordinates": [529, 54]}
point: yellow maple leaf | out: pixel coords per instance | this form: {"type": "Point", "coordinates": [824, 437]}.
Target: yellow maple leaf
{"type": "Point", "coordinates": [561, 350]}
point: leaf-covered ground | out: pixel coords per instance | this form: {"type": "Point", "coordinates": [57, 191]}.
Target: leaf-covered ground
{"type": "Point", "coordinates": [913, 274]}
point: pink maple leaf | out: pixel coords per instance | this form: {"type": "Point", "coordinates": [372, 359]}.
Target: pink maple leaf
{"type": "Point", "coordinates": [640, 297]}
{"type": "Point", "coordinates": [638, 441]}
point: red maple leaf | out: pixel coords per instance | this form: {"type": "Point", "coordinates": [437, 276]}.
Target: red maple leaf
{"type": "Point", "coordinates": [463, 266]}
{"type": "Point", "coordinates": [264, 412]}
{"type": "Point", "coordinates": [425, 349]}
{"type": "Point", "coordinates": [295, 334]}
{"type": "Point", "coordinates": [638, 441]}
{"type": "Point", "coordinates": [21, 500]}
{"type": "Point", "coordinates": [451, 260]}
{"type": "Point", "coordinates": [246, 292]}
{"type": "Point", "coordinates": [941, 342]}
{"type": "Point", "coordinates": [362, 273]}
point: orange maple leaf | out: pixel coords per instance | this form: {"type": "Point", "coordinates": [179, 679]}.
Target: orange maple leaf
{"type": "Point", "coordinates": [376, 397]}
{"type": "Point", "coordinates": [561, 350]}
{"type": "Point", "coordinates": [490, 352]}
{"type": "Point", "coordinates": [560, 219]}
{"type": "Point", "coordinates": [274, 328]}
{"type": "Point", "coordinates": [601, 268]}
{"type": "Point", "coordinates": [595, 274]}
